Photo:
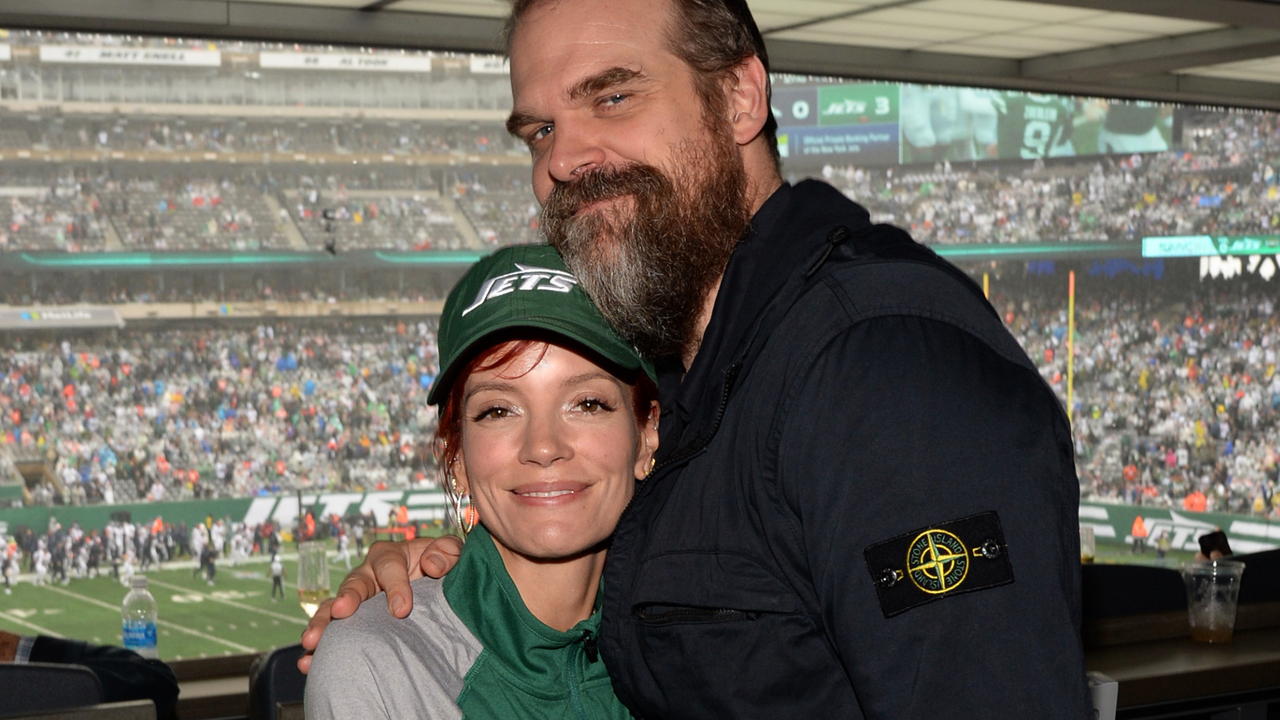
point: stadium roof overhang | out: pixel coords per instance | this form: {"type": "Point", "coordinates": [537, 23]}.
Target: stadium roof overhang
{"type": "Point", "coordinates": [1197, 51]}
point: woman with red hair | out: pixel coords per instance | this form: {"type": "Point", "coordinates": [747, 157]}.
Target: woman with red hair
{"type": "Point", "coordinates": [547, 422]}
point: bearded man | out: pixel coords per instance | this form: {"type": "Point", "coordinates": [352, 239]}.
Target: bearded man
{"type": "Point", "coordinates": [864, 503]}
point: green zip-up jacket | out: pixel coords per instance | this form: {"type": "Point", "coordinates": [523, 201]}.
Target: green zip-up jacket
{"type": "Point", "coordinates": [470, 649]}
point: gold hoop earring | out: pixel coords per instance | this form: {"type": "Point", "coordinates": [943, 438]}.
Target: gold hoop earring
{"type": "Point", "coordinates": [463, 519]}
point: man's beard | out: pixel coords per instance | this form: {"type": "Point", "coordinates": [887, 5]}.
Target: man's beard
{"type": "Point", "coordinates": [650, 261]}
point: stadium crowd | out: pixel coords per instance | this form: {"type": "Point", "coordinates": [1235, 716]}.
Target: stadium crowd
{"type": "Point", "coordinates": [367, 136]}
{"type": "Point", "coordinates": [1173, 397]}
{"type": "Point", "coordinates": [226, 411]}
{"type": "Point", "coordinates": [191, 213]}
{"type": "Point", "coordinates": [228, 208]}
{"type": "Point", "coordinates": [1223, 181]}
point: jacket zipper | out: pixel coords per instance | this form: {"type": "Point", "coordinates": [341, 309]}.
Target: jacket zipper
{"type": "Point", "coordinates": [706, 615]}
{"type": "Point", "coordinates": [695, 447]}
{"type": "Point", "coordinates": [574, 677]}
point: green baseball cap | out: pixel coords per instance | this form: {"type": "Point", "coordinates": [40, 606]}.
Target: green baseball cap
{"type": "Point", "coordinates": [524, 286]}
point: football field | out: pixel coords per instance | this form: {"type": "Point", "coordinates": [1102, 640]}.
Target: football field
{"type": "Point", "coordinates": [235, 615]}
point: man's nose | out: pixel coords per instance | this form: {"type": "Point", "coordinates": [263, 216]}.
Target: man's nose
{"type": "Point", "coordinates": [574, 152]}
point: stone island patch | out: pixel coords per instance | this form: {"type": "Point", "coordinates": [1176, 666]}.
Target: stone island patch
{"type": "Point", "coordinates": [931, 563]}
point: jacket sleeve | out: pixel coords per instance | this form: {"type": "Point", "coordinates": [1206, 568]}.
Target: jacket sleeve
{"type": "Point", "coordinates": [124, 674]}
{"type": "Point", "coordinates": [900, 424]}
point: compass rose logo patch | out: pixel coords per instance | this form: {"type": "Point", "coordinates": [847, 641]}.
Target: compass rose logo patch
{"type": "Point", "coordinates": [937, 561]}
{"type": "Point", "coordinates": [950, 558]}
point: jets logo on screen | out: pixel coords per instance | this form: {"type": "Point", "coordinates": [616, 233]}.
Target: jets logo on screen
{"type": "Point", "coordinates": [526, 277]}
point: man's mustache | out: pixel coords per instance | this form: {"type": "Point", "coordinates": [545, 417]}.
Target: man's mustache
{"type": "Point", "coordinates": [568, 198]}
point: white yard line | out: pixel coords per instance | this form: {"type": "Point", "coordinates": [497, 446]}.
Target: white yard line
{"type": "Point", "coordinates": [232, 603]}
{"type": "Point", "coordinates": [24, 623]}
{"type": "Point", "coordinates": [161, 623]}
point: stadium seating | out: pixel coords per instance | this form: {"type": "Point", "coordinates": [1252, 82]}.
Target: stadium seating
{"type": "Point", "coordinates": [378, 222]}
{"type": "Point", "coordinates": [275, 680]}
{"type": "Point", "coordinates": [128, 710]}
{"type": "Point", "coordinates": [42, 687]}
{"type": "Point", "coordinates": [502, 218]}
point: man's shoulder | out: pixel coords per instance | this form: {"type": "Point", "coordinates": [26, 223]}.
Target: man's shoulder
{"type": "Point", "coordinates": [878, 272]}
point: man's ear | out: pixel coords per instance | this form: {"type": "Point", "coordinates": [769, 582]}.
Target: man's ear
{"type": "Point", "coordinates": [647, 442]}
{"type": "Point", "coordinates": [748, 100]}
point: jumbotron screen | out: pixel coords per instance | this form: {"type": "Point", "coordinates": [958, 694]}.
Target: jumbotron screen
{"type": "Point", "coordinates": [884, 124]}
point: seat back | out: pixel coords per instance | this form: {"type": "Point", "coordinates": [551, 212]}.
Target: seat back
{"type": "Point", "coordinates": [127, 710]}
{"type": "Point", "coordinates": [32, 688]}
{"type": "Point", "coordinates": [274, 678]}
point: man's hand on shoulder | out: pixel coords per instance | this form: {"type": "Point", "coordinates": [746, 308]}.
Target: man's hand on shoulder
{"type": "Point", "coordinates": [388, 566]}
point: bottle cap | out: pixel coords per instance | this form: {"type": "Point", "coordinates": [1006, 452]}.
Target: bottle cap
{"type": "Point", "coordinates": [138, 582]}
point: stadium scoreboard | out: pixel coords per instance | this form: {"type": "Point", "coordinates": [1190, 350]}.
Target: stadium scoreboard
{"type": "Point", "coordinates": [882, 124]}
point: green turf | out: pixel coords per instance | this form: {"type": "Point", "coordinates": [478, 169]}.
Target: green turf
{"type": "Point", "coordinates": [1116, 554]}
{"type": "Point", "coordinates": [236, 615]}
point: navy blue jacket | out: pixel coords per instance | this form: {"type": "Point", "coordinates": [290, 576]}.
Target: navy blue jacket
{"type": "Point", "coordinates": [865, 503]}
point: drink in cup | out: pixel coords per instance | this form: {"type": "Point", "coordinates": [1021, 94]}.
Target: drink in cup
{"type": "Point", "coordinates": [1213, 587]}
{"type": "Point", "coordinates": [1088, 544]}
{"type": "Point", "coordinates": [313, 575]}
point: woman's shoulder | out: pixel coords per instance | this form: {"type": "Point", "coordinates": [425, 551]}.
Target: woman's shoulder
{"type": "Point", "coordinates": [432, 627]}
{"type": "Point", "coordinates": [375, 662]}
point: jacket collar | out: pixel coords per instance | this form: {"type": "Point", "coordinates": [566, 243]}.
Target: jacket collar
{"type": "Point", "coordinates": [785, 236]}
{"type": "Point", "coordinates": [482, 594]}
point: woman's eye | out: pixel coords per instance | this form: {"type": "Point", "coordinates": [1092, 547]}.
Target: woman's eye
{"type": "Point", "coordinates": [595, 405]}
{"type": "Point", "coordinates": [493, 413]}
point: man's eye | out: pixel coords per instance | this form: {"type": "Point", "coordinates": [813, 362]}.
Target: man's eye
{"type": "Point", "coordinates": [615, 99]}
{"type": "Point", "coordinates": [541, 132]}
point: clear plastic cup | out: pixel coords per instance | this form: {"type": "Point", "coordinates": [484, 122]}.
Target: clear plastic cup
{"type": "Point", "coordinates": [313, 575]}
{"type": "Point", "coordinates": [1213, 588]}
{"type": "Point", "coordinates": [1088, 544]}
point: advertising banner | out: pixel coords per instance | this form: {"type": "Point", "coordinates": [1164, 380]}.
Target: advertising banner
{"type": "Point", "coordinates": [864, 145]}
{"type": "Point", "coordinates": [490, 65]}
{"type": "Point", "coordinates": [49, 318]}
{"type": "Point", "coordinates": [129, 56]}
{"type": "Point", "coordinates": [1204, 245]}
{"type": "Point", "coordinates": [345, 61]}
{"type": "Point", "coordinates": [423, 506]}
{"type": "Point", "coordinates": [1113, 524]}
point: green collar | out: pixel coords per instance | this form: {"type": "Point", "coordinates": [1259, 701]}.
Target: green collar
{"type": "Point", "coordinates": [536, 658]}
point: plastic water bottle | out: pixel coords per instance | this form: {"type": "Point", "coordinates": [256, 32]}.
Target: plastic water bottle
{"type": "Point", "coordinates": [139, 613]}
